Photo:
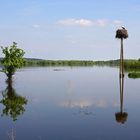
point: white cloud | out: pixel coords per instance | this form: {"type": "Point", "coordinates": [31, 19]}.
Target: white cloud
{"type": "Point", "coordinates": [79, 103]}
{"type": "Point", "coordinates": [79, 22]}
{"type": "Point", "coordinates": [87, 22]}
{"type": "Point", "coordinates": [102, 103]}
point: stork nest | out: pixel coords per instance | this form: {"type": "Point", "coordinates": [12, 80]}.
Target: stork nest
{"type": "Point", "coordinates": [121, 33]}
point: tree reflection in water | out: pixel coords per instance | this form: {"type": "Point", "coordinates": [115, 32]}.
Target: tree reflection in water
{"type": "Point", "coordinates": [121, 117]}
{"type": "Point", "coordinates": [12, 134]}
{"type": "Point", "coordinates": [14, 103]}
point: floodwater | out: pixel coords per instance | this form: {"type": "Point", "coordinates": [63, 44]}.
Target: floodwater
{"type": "Point", "coordinates": [64, 103]}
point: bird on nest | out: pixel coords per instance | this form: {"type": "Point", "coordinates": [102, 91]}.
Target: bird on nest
{"type": "Point", "coordinates": [123, 27]}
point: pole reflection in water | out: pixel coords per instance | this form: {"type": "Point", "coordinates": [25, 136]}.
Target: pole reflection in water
{"type": "Point", "coordinates": [13, 103]}
{"type": "Point", "coordinates": [121, 117]}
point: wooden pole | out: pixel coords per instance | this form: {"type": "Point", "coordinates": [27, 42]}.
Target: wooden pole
{"type": "Point", "coordinates": [121, 76]}
{"type": "Point", "coordinates": [121, 93]}
{"type": "Point", "coordinates": [121, 60]}
{"type": "Point", "coordinates": [120, 71]}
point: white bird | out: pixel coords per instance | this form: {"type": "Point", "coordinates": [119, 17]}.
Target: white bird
{"type": "Point", "coordinates": [123, 27]}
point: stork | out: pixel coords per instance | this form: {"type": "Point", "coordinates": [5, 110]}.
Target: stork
{"type": "Point", "coordinates": [123, 28]}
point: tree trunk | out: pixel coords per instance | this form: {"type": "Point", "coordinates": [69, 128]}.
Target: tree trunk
{"type": "Point", "coordinates": [9, 75]}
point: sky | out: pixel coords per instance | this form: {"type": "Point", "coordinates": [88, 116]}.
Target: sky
{"type": "Point", "coordinates": [70, 29]}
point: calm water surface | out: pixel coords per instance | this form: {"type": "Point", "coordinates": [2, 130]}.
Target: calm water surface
{"type": "Point", "coordinates": [69, 104]}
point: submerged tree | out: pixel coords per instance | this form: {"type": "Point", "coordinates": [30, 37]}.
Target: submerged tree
{"type": "Point", "coordinates": [121, 34]}
{"type": "Point", "coordinates": [14, 103]}
{"type": "Point", "coordinates": [13, 59]}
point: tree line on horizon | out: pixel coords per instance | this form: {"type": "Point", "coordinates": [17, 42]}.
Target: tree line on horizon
{"type": "Point", "coordinates": [13, 59]}
{"type": "Point", "coordinates": [128, 63]}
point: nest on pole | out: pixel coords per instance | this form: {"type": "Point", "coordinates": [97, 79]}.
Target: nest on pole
{"type": "Point", "coordinates": [121, 34]}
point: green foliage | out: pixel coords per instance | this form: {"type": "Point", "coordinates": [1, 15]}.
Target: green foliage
{"type": "Point", "coordinates": [59, 63]}
{"type": "Point", "coordinates": [132, 64]}
{"type": "Point", "coordinates": [14, 103]}
{"type": "Point", "coordinates": [13, 59]}
{"type": "Point", "coordinates": [134, 75]}
{"type": "Point", "coordinates": [129, 65]}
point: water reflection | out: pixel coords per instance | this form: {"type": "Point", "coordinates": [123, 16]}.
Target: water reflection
{"type": "Point", "coordinates": [12, 134]}
{"type": "Point", "coordinates": [13, 103]}
{"type": "Point", "coordinates": [121, 117]}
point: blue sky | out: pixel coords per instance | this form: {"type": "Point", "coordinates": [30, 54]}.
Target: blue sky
{"type": "Point", "coordinates": [70, 29]}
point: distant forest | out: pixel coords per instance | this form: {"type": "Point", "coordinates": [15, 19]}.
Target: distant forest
{"type": "Point", "coordinates": [128, 64]}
